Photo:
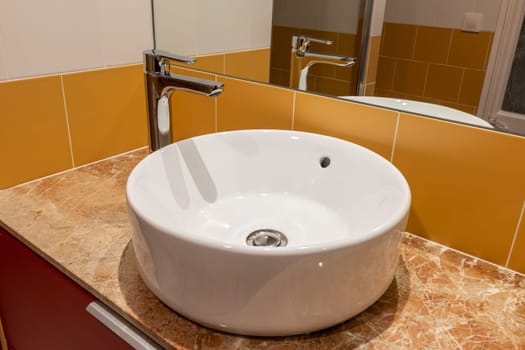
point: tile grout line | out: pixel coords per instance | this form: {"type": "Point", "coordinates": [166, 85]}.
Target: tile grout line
{"type": "Point", "coordinates": [86, 70]}
{"type": "Point", "coordinates": [3, 60]}
{"type": "Point", "coordinates": [395, 138]}
{"type": "Point", "coordinates": [67, 121]}
{"type": "Point", "coordinates": [449, 46]}
{"type": "Point", "coordinates": [487, 52]}
{"type": "Point", "coordinates": [425, 83]}
{"type": "Point", "coordinates": [460, 85]}
{"type": "Point", "coordinates": [440, 64]}
{"type": "Point", "coordinates": [416, 34]}
{"type": "Point", "coordinates": [515, 235]}
{"type": "Point", "coordinates": [293, 110]}
{"type": "Point", "coordinates": [215, 108]}
{"type": "Point", "coordinates": [215, 112]}
{"type": "Point", "coordinates": [394, 72]}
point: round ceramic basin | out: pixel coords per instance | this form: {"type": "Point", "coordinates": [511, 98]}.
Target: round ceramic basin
{"type": "Point", "coordinates": [267, 232]}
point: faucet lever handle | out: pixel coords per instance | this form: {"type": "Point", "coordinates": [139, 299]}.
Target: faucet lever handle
{"type": "Point", "coordinates": [310, 39]}
{"type": "Point", "coordinates": [165, 55]}
{"type": "Point", "coordinates": [160, 59]}
{"type": "Point", "coordinates": [301, 43]}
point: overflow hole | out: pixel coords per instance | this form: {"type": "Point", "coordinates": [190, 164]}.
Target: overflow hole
{"type": "Point", "coordinates": [325, 162]}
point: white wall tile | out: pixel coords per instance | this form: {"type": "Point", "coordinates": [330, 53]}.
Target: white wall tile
{"type": "Point", "coordinates": [126, 30]}
{"type": "Point", "coordinates": [287, 13]}
{"type": "Point", "coordinates": [378, 14]}
{"type": "Point", "coordinates": [231, 25]}
{"type": "Point", "coordinates": [222, 26]}
{"type": "Point", "coordinates": [210, 26]}
{"type": "Point", "coordinates": [441, 13]}
{"type": "Point", "coordinates": [3, 68]}
{"type": "Point", "coordinates": [491, 9]}
{"type": "Point", "coordinates": [261, 23]}
{"type": "Point", "coordinates": [330, 15]}
{"type": "Point", "coordinates": [340, 16]}
{"type": "Point", "coordinates": [304, 14]}
{"type": "Point", "coordinates": [175, 26]}
{"type": "Point", "coordinates": [43, 37]}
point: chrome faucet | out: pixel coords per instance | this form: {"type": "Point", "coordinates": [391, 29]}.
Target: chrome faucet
{"type": "Point", "coordinates": [301, 48]}
{"type": "Point", "coordinates": [160, 84]}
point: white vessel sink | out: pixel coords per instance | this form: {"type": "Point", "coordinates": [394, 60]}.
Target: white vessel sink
{"type": "Point", "coordinates": [340, 207]}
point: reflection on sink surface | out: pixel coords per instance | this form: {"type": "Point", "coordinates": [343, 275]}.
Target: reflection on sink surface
{"type": "Point", "coordinates": [429, 109]}
{"type": "Point", "coordinates": [265, 232]}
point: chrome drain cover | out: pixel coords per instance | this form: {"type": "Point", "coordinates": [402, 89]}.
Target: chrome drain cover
{"type": "Point", "coordinates": [267, 238]}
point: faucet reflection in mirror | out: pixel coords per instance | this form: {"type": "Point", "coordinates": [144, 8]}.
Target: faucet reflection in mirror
{"type": "Point", "coordinates": [160, 84]}
{"type": "Point", "coordinates": [302, 58]}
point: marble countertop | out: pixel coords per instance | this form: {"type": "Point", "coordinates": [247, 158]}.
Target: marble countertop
{"type": "Point", "coordinates": [439, 299]}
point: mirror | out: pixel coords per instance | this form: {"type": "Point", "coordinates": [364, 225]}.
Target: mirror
{"type": "Point", "coordinates": [253, 38]}
{"type": "Point", "coordinates": [425, 57]}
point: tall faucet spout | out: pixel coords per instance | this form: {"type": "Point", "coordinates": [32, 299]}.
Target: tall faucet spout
{"type": "Point", "coordinates": [160, 85]}
{"type": "Point", "coordinates": [327, 56]}
{"type": "Point", "coordinates": [168, 84]}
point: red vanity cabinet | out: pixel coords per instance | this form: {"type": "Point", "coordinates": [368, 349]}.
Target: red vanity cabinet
{"type": "Point", "coordinates": [41, 308]}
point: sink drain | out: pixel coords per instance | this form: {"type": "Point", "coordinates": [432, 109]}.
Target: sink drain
{"type": "Point", "coordinates": [266, 238]}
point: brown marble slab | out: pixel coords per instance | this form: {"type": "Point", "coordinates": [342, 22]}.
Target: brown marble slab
{"type": "Point", "coordinates": [439, 299]}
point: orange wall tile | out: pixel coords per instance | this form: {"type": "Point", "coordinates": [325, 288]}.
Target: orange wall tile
{"type": "Point", "coordinates": [249, 64]}
{"type": "Point", "coordinates": [367, 126]}
{"type": "Point", "coordinates": [322, 70]}
{"type": "Point", "coordinates": [464, 108]}
{"type": "Point", "coordinates": [456, 174]}
{"type": "Point", "coordinates": [346, 73]}
{"type": "Point", "coordinates": [443, 82]}
{"type": "Point", "coordinates": [385, 73]}
{"type": "Point", "coordinates": [332, 87]}
{"type": "Point", "coordinates": [455, 171]}
{"type": "Point", "coordinates": [455, 63]}
{"type": "Point", "coordinates": [398, 40]}
{"type": "Point", "coordinates": [517, 256]}
{"type": "Point", "coordinates": [324, 35]}
{"type": "Point", "coordinates": [370, 89]}
{"type": "Point", "coordinates": [210, 63]}
{"type": "Point", "coordinates": [246, 105]}
{"type": "Point", "coordinates": [470, 49]}
{"type": "Point", "coordinates": [192, 114]}
{"type": "Point", "coordinates": [34, 136]}
{"type": "Point", "coordinates": [279, 77]}
{"type": "Point", "coordinates": [346, 44]}
{"type": "Point", "coordinates": [252, 64]}
{"type": "Point", "coordinates": [281, 43]}
{"type": "Point", "coordinates": [410, 77]}
{"type": "Point", "coordinates": [471, 87]}
{"type": "Point", "coordinates": [432, 44]}
{"type": "Point", "coordinates": [387, 93]}
{"type": "Point", "coordinates": [107, 112]}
